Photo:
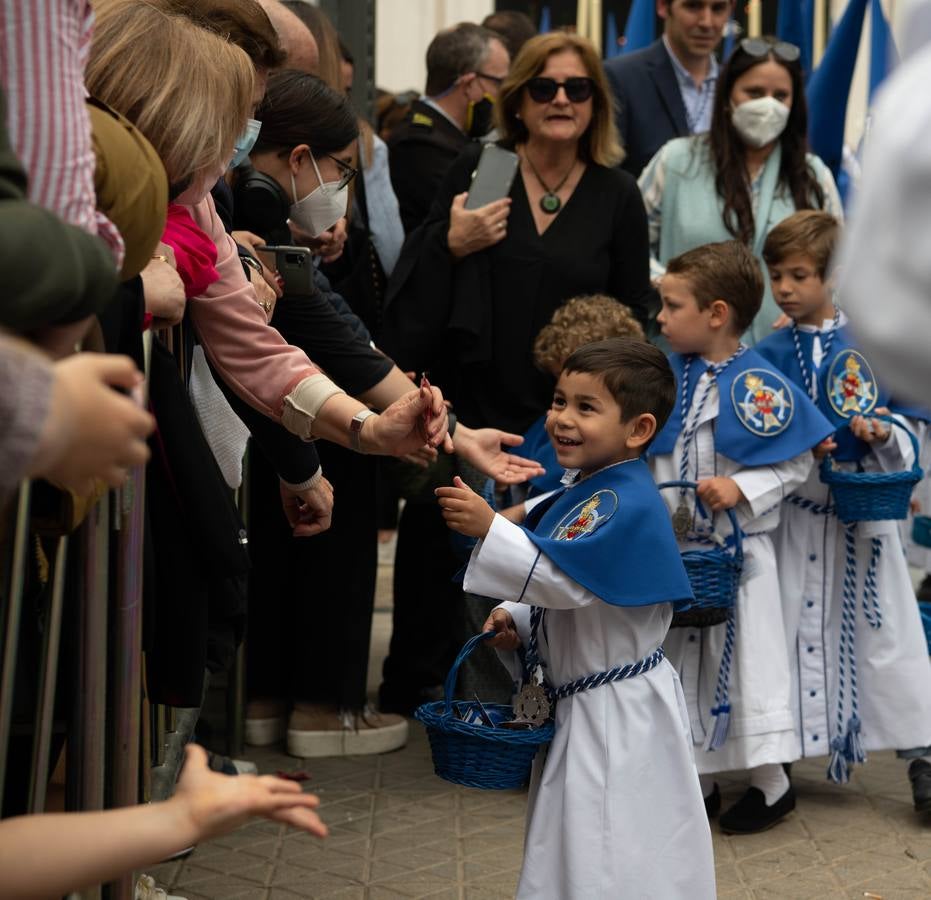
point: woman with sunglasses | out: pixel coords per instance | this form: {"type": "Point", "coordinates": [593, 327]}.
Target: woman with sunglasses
{"type": "Point", "coordinates": [751, 170]}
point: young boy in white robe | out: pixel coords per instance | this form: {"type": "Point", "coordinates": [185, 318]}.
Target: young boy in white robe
{"type": "Point", "coordinates": [589, 583]}
{"type": "Point", "coordinates": [867, 686]}
{"type": "Point", "coordinates": [743, 432]}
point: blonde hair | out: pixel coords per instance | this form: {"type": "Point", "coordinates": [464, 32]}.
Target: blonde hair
{"type": "Point", "coordinates": [601, 143]}
{"type": "Point", "coordinates": [188, 90]}
{"type": "Point", "coordinates": [580, 321]}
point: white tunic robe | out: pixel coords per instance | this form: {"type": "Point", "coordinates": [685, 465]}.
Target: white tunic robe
{"type": "Point", "coordinates": [893, 671]}
{"type": "Point", "coordinates": [761, 728]}
{"type": "Point", "coordinates": [615, 809]}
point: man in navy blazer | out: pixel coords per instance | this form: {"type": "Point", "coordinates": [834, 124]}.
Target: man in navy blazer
{"type": "Point", "coordinates": [666, 90]}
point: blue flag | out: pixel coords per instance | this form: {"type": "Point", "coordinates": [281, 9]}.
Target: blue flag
{"type": "Point", "coordinates": [545, 25]}
{"type": "Point", "coordinates": [640, 30]}
{"type": "Point", "coordinates": [794, 25]}
{"type": "Point", "coordinates": [883, 54]}
{"type": "Point", "coordinates": [611, 46]}
{"type": "Point", "coordinates": [829, 86]}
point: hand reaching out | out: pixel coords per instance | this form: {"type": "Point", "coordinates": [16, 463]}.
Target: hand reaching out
{"type": "Point", "coordinates": [464, 510]}
{"type": "Point", "coordinates": [502, 622]}
{"type": "Point", "coordinates": [719, 493]}
{"type": "Point", "coordinates": [483, 448]}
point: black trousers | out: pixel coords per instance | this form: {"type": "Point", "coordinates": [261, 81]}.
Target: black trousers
{"type": "Point", "coordinates": [311, 599]}
{"type": "Point", "coordinates": [427, 619]}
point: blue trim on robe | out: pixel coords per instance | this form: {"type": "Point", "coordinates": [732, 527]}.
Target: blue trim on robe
{"type": "Point", "coordinates": [611, 534]}
{"type": "Point", "coordinates": [779, 350]}
{"type": "Point", "coordinates": [750, 430]}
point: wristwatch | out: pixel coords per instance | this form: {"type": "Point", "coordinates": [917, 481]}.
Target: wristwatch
{"type": "Point", "coordinates": [355, 429]}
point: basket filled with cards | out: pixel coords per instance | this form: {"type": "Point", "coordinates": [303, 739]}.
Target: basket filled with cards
{"type": "Point", "coordinates": [485, 745]}
{"type": "Point", "coordinates": [872, 496]}
{"type": "Point", "coordinates": [714, 572]}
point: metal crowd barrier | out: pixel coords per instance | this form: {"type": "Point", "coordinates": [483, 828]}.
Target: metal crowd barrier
{"type": "Point", "coordinates": [119, 749]}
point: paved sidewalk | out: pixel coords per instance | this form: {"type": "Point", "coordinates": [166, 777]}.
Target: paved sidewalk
{"type": "Point", "coordinates": [399, 831]}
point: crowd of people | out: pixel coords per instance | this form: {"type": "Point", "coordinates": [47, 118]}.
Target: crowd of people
{"type": "Point", "coordinates": [652, 300]}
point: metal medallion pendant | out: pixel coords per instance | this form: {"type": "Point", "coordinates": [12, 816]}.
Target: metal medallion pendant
{"type": "Point", "coordinates": [681, 521]}
{"type": "Point", "coordinates": [550, 203]}
{"type": "Point", "coordinates": [532, 705]}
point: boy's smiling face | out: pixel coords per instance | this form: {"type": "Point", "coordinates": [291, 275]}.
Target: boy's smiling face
{"type": "Point", "coordinates": [802, 294]}
{"type": "Point", "coordinates": [584, 424]}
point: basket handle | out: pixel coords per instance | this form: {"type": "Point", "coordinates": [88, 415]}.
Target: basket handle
{"type": "Point", "coordinates": [738, 533]}
{"type": "Point", "coordinates": [450, 686]}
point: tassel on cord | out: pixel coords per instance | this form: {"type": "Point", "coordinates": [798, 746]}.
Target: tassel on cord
{"type": "Point", "coordinates": [853, 745]}
{"type": "Point", "coordinates": [719, 728]}
{"type": "Point", "coordinates": [838, 769]}
{"type": "Point", "coordinates": [721, 711]}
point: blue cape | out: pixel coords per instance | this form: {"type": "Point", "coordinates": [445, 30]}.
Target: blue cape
{"type": "Point", "coordinates": [537, 445]}
{"type": "Point", "coordinates": [611, 533]}
{"type": "Point", "coordinates": [763, 418]}
{"type": "Point", "coordinates": [847, 386]}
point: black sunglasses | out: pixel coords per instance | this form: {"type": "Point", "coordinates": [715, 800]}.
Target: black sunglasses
{"type": "Point", "coordinates": [759, 47]}
{"type": "Point", "coordinates": [543, 90]}
{"type": "Point", "coordinates": [346, 172]}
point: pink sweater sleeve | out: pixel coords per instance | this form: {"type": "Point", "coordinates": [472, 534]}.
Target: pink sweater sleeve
{"type": "Point", "coordinates": [253, 358]}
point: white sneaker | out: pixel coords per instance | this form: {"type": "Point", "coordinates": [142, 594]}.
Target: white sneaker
{"type": "Point", "coordinates": [146, 889]}
{"type": "Point", "coordinates": [316, 730]}
{"type": "Point", "coordinates": [265, 722]}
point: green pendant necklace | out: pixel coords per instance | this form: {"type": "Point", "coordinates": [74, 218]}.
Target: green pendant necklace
{"type": "Point", "coordinates": [549, 202]}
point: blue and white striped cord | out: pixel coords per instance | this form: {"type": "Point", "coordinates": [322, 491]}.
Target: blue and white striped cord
{"type": "Point", "coordinates": [826, 345]}
{"type": "Point", "coordinates": [618, 673]}
{"type": "Point", "coordinates": [721, 710]}
{"type": "Point", "coordinates": [846, 746]}
{"type": "Point", "coordinates": [689, 427]}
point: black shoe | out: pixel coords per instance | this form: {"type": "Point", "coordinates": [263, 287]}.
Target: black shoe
{"type": "Point", "coordinates": [750, 813]}
{"type": "Point", "coordinates": [923, 593]}
{"type": "Point", "coordinates": [713, 802]}
{"type": "Point", "coordinates": [787, 768]}
{"type": "Point", "coordinates": [919, 774]}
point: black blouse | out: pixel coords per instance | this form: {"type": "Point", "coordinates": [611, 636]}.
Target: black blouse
{"type": "Point", "coordinates": [474, 321]}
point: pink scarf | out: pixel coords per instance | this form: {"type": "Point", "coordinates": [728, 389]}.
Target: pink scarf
{"type": "Point", "coordinates": [195, 253]}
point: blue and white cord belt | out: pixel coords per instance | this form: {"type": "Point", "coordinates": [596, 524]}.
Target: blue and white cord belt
{"type": "Point", "coordinates": [846, 746]}
{"type": "Point", "coordinates": [617, 673]}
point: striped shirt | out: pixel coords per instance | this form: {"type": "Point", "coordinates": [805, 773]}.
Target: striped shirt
{"type": "Point", "coordinates": [44, 45]}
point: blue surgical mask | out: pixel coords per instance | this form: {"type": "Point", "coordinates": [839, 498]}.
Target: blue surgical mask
{"type": "Point", "coordinates": [245, 142]}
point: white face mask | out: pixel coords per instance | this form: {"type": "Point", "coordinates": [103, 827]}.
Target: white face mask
{"type": "Point", "coordinates": [760, 121]}
{"type": "Point", "coordinates": [322, 208]}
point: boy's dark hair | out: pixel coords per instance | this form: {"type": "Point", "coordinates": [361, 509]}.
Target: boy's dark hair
{"type": "Point", "coordinates": [811, 232]}
{"type": "Point", "coordinates": [725, 271]}
{"type": "Point", "coordinates": [636, 373]}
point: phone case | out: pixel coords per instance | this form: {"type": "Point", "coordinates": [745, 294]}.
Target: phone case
{"type": "Point", "coordinates": [493, 176]}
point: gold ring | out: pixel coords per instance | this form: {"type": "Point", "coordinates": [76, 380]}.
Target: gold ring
{"type": "Point", "coordinates": [160, 256]}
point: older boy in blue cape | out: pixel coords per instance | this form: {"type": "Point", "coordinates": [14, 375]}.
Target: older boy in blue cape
{"type": "Point", "coordinates": [863, 680]}
{"type": "Point", "coordinates": [589, 585]}
{"type": "Point", "coordinates": [743, 433]}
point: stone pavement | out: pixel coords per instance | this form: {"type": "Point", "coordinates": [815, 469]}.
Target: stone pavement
{"type": "Point", "coordinates": [398, 831]}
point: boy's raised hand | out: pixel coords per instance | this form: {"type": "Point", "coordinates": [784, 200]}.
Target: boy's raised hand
{"type": "Point", "coordinates": [464, 510]}
{"type": "Point", "coordinates": [869, 430]}
{"type": "Point", "coordinates": [719, 493]}
{"type": "Point", "coordinates": [507, 638]}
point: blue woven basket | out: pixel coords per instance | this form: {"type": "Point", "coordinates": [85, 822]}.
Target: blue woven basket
{"type": "Point", "coordinates": [921, 530]}
{"type": "Point", "coordinates": [713, 574]}
{"type": "Point", "coordinates": [925, 610]}
{"type": "Point", "coordinates": [478, 755]}
{"type": "Point", "coordinates": [872, 496]}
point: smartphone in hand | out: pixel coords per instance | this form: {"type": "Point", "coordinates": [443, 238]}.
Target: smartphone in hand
{"type": "Point", "coordinates": [492, 177]}
{"type": "Point", "coordinates": [296, 267]}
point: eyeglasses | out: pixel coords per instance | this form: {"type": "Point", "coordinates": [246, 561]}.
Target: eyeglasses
{"type": "Point", "coordinates": [497, 79]}
{"type": "Point", "coordinates": [543, 90]}
{"type": "Point", "coordinates": [346, 172]}
{"type": "Point", "coordinates": [759, 47]}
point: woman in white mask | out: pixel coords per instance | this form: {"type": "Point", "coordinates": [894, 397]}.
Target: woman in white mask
{"type": "Point", "coordinates": [751, 170]}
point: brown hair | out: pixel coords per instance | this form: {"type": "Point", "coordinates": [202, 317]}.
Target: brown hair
{"type": "Point", "coordinates": [810, 233]}
{"type": "Point", "coordinates": [636, 373]}
{"type": "Point", "coordinates": [728, 150]}
{"type": "Point", "coordinates": [580, 321]}
{"type": "Point", "coordinates": [143, 62]}
{"type": "Point", "coordinates": [242, 22]}
{"type": "Point", "coordinates": [725, 271]}
{"type": "Point", "coordinates": [600, 144]}
{"type": "Point", "coordinates": [513, 27]}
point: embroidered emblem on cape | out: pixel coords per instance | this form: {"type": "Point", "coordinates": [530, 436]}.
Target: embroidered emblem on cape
{"type": "Point", "coordinates": [586, 517]}
{"type": "Point", "coordinates": [851, 385]}
{"type": "Point", "coordinates": [762, 401]}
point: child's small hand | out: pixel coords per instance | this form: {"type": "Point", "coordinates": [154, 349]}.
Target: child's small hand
{"type": "Point", "coordinates": [870, 430]}
{"type": "Point", "coordinates": [719, 493]}
{"type": "Point", "coordinates": [464, 510]}
{"type": "Point", "coordinates": [507, 637]}
{"type": "Point", "coordinates": [828, 445]}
